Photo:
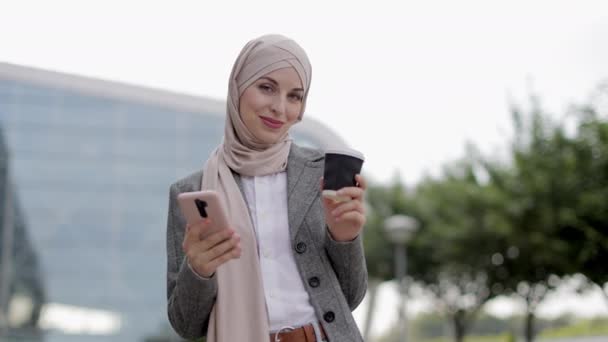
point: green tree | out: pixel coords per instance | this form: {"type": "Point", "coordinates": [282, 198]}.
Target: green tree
{"type": "Point", "coordinates": [515, 226]}
{"type": "Point", "coordinates": [587, 226]}
{"type": "Point", "coordinates": [556, 186]}
{"type": "Point", "coordinates": [453, 254]}
{"type": "Point", "coordinates": [537, 184]}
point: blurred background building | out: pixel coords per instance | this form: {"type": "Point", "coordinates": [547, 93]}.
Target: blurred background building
{"type": "Point", "coordinates": [21, 288]}
{"type": "Point", "coordinates": [86, 166]}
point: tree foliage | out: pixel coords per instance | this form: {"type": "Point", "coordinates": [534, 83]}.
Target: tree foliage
{"type": "Point", "coordinates": [511, 226]}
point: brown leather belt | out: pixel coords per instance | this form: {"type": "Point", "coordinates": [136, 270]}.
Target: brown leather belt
{"type": "Point", "coordinates": [301, 334]}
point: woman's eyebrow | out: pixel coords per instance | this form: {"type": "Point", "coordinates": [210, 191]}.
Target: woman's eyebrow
{"type": "Point", "coordinates": [271, 80]}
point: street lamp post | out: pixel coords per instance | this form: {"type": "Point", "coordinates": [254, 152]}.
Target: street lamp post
{"type": "Point", "coordinates": [399, 229]}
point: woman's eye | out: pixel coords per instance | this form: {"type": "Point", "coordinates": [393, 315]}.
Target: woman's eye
{"type": "Point", "coordinates": [265, 87]}
{"type": "Point", "coordinates": [297, 97]}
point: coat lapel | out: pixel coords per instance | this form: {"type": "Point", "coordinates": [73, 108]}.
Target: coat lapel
{"type": "Point", "coordinates": [304, 171]}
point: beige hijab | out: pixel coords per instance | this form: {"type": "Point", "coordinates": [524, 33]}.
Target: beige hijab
{"type": "Point", "coordinates": [240, 312]}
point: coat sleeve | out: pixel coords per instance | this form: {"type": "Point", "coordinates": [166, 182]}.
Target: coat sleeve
{"type": "Point", "coordinates": [190, 298]}
{"type": "Point", "coordinates": [348, 262]}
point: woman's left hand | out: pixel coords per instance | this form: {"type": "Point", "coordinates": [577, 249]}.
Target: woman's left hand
{"type": "Point", "coordinates": [345, 220]}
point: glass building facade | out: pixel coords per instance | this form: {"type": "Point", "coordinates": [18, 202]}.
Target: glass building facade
{"type": "Point", "coordinates": [91, 162]}
{"type": "Point", "coordinates": [21, 287]}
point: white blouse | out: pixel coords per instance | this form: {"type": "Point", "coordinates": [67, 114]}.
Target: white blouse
{"type": "Point", "coordinates": [286, 298]}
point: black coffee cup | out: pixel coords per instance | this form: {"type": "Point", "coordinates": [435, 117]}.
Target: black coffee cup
{"type": "Point", "coordinates": [341, 167]}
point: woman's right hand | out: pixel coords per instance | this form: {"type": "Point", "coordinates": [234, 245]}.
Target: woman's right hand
{"type": "Point", "coordinates": [206, 255]}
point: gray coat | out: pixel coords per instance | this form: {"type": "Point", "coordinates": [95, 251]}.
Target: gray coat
{"type": "Point", "coordinates": [334, 273]}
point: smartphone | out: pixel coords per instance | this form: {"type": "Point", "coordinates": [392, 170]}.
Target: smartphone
{"type": "Point", "coordinates": [199, 205]}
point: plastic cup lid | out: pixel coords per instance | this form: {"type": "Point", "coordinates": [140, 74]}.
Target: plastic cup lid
{"type": "Point", "coordinates": [346, 151]}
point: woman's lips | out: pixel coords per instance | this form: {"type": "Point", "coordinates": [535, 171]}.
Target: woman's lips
{"type": "Point", "coordinates": [272, 123]}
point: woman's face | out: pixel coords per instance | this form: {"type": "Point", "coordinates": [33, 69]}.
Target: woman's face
{"type": "Point", "coordinates": [272, 104]}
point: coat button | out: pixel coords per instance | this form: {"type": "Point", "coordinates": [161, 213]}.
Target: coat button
{"type": "Point", "coordinates": [329, 316]}
{"type": "Point", "coordinates": [314, 282]}
{"type": "Point", "coordinates": [301, 247]}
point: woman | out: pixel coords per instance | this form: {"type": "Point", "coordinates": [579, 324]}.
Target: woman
{"type": "Point", "coordinates": [291, 267]}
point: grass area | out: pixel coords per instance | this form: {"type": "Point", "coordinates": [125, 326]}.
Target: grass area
{"type": "Point", "coordinates": [492, 338]}
{"type": "Point", "coordinates": [591, 327]}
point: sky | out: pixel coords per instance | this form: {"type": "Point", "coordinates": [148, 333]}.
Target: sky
{"type": "Point", "coordinates": [407, 83]}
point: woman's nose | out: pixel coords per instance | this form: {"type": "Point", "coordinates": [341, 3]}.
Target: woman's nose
{"type": "Point", "coordinates": [278, 105]}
